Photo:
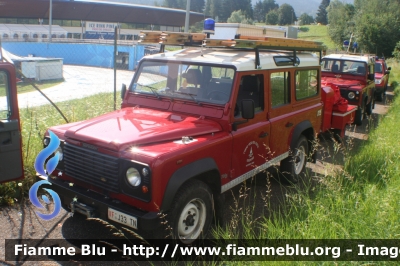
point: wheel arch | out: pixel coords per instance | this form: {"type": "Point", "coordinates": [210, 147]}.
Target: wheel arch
{"type": "Point", "coordinates": [205, 170]}
{"type": "Point", "coordinates": [304, 128]}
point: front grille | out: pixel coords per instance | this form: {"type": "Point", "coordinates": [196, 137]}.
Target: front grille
{"type": "Point", "coordinates": [344, 93]}
{"type": "Point", "coordinates": [91, 167]}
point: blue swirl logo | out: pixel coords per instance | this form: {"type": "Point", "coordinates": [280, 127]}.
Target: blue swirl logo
{"type": "Point", "coordinates": [50, 166]}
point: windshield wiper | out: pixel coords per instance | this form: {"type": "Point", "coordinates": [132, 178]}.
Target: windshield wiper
{"type": "Point", "coordinates": [153, 90]}
{"type": "Point", "coordinates": [190, 94]}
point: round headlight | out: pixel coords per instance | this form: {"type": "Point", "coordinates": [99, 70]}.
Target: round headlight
{"type": "Point", "coordinates": [351, 95]}
{"type": "Point", "coordinates": [60, 152]}
{"type": "Point", "coordinates": [133, 177]}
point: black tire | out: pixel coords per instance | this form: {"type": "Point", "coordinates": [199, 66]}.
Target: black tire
{"type": "Point", "coordinates": [336, 134]}
{"type": "Point", "coordinates": [359, 116]}
{"type": "Point", "coordinates": [293, 167]}
{"type": "Point", "coordinates": [379, 96]}
{"type": "Point", "coordinates": [191, 213]}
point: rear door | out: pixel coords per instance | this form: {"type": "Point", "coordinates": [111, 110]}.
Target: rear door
{"type": "Point", "coordinates": [11, 167]}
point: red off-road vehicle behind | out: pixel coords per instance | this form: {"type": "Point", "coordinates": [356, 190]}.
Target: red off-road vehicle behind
{"type": "Point", "coordinates": [353, 74]}
{"type": "Point", "coordinates": [382, 72]}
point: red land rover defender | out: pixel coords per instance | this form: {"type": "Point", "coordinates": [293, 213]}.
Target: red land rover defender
{"type": "Point", "coordinates": [354, 75]}
{"type": "Point", "coordinates": [382, 72]}
{"type": "Point", "coordinates": [194, 123]}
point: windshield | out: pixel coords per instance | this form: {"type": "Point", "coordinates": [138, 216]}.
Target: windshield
{"type": "Point", "coordinates": [378, 67]}
{"type": "Point", "coordinates": [344, 67]}
{"type": "Point", "coordinates": [175, 80]}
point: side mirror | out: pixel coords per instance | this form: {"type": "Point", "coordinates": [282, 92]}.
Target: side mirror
{"type": "Point", "coordinates": [247, 109]}
{"type": "Point", "coordinates": [371, 76]}
{"type": "Point", "coordinates": [389, 68]}
{"type": "Point", "coordinates": [247, 113]}
{"type": "Point", "coordinates": [123, 91]}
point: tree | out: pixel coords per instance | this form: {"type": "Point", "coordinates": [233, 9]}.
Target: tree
{"type": "Point", "coordinates": [262, 8]}
{"type": "Point", "coordinates": [377, 26]}
{"type": "Point", "coordinates": [286, 15]}
{"type": "Point", "coordinates": [306, 19]}
{"type": "Point", "coordinates": [238, 17]}
{"type": "Point", "coordinates": [172, 3]}
{"type": "Point", "coordinates": [322, 16]}
{"type": "Point", "coordinates": [341, 24]}
{"type": "Point", "coordinates": [213, 8]}
{"type": "Point", "coordinates": [195, 5]}
{"type": "Point", "coordinates": [272, 17]}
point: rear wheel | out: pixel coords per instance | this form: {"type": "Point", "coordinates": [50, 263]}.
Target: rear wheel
{"type": "Point", "coordinates": [370, 106]}
{"type": "Point", "coordinates": [359, 115]}
{"type": "Point", "coordinates": [293, 167]}
{"type": "Point", "coordinates": [379, 96]}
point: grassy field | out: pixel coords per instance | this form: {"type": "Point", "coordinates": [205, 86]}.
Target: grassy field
{"type": "Point", "coordinates": [318, 33]}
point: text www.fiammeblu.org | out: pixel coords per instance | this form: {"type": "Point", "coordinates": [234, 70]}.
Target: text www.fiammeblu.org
{"type": "Point", "coordinates": [234, 250]}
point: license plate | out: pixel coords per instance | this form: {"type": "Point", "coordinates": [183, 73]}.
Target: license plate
{"type": "Point", "coordinates": [122, 218]}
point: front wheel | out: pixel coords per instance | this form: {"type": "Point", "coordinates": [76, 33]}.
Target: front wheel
{"type": "Point", "coordinates": [293, 167]}
{"type": "Point", "coordinates": [191, 213]}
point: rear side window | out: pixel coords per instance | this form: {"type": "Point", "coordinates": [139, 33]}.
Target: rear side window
{"type": "Point", "coordinates": [306, 83]}
{"type": "Point", "coordinates": [5, 110]}
{"type": "Point", "coordinates": [280, 88]}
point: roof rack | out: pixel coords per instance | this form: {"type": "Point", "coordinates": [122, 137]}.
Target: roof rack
{"type": "Point", "coordinates": [240, 41]}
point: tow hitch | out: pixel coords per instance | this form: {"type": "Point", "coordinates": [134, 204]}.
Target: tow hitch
{"type": "Point", "coordinates": [82, 209]}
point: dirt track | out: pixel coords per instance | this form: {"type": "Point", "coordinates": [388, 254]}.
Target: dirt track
{"type": "Point", "coordinates": [21, 221]}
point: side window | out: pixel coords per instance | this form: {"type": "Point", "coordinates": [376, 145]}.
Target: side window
{"type": "Point", "coordinates": [251, 88]}
{"type": "Point", "coordinates": [306, 83]}
{"type": "Point", "coordinates": [4, 100]}
{"type": "Point", "coordinates": [280, 88]}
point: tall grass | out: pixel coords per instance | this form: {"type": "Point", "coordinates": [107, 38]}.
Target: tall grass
{"type": "Point", "coordinates": [359, 201]}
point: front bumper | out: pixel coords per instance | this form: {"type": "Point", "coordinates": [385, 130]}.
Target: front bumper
{"type": "Point", "coordinates": [97, 205]}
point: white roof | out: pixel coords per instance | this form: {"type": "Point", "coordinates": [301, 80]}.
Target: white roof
{"type": "Point", "coordinates": [352, 57]}
{"type": "Point", "coordinates": [242, 60]}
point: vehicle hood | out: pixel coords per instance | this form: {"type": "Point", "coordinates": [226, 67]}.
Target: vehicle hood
{"type": "Point", "coordinates": [378, 75]}
{"type": "Point", "coordinates": [138, 126]}
{"type": "Point", "coordinates": [340, 82]}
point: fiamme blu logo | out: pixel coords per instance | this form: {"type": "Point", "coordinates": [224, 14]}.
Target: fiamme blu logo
{"type": "Point", "coordinates": [51, 164]}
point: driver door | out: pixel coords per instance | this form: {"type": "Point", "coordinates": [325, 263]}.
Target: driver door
{"type": "Point", "coordinates": [11, 167]}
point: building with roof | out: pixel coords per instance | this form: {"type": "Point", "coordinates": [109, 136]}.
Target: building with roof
{"type": "Point", "coordinates": [75, 15]}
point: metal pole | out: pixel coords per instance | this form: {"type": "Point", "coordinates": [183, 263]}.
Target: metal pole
{"type": "Point", "coordinates": [115, 66]}
{"type": "Point", "coordinates": [50, 18]}
{"type": "Point", "coordinates": [187, 16]}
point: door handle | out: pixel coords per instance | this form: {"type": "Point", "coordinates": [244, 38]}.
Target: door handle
{"type": "Point", "coordinates": [288, 124]}
{"type": "Point", "coordinates": [263, 134]}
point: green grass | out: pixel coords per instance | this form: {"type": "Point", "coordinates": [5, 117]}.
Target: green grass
{"type": "Point", "coordinates": [360, 202]}
{"type": "Point", "coordinates": [24, 87]}
{"type": "Point", "coordinates": [318, 34]}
